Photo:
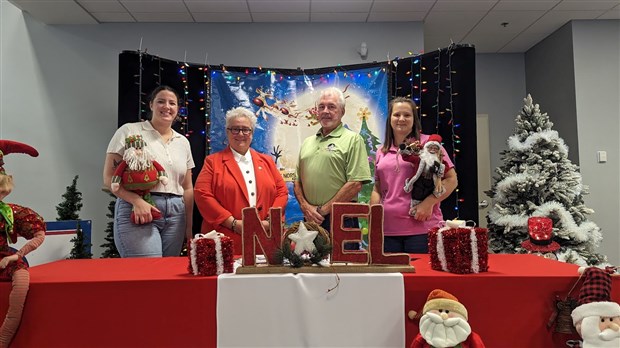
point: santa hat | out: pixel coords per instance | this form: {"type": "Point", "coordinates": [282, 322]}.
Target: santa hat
{"type": "Point", "coordinates": [541, 231]}
{"type": "Point", "coordinates": [434, 139]}
{"type": "Point", "coordinates": [439, 299]}
{"type": "Point", "coordinates": [134, 141]}
{"type": "Point", "coordinates": [10, 146]}
{"type": "Point", "coordinates": [595, 295]}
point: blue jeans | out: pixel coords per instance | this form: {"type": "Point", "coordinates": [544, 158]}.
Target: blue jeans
{"type": "Point", "coordinates": [162, 237]}
{"type": "Point", "coordinates": [350, 222]}
{"type": "Point", "coordinates": [416, 244]}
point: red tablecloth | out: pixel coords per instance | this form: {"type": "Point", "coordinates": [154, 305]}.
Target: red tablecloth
{"type": "Point", "coordinates": [155, 303]}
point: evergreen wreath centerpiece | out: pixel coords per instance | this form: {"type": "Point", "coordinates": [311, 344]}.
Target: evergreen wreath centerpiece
{"type": "Point", "coordinates": [304, 244]}
{"type": "Point", "coordinates": [538, 180]}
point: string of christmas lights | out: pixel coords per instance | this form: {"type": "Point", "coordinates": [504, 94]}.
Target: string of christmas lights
{"type": "Point", "coordinates": [456, 140]}
{"type": "Point", "coordinates": [184, 102]}
{"type": "Point", "coordinates": [436, 106]}
{"type": "Point", "coordinates": [139, 75]}
{"type": "Point", "coordinates": [205, 100]}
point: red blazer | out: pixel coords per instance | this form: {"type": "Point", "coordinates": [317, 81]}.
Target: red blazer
{"type": "Point", "coordinates": [220, 191]}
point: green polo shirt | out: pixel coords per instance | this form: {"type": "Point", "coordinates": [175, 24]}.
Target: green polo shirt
{"type": "Point", "coordinates": [326, 163]}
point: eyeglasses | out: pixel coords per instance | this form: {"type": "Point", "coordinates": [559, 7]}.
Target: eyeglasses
{"type": "Point", "coordinates": [236, 131]}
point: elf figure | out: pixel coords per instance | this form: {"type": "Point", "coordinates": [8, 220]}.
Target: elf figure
{"type": "Point", "coordinates": [597, 319]}
{"type": "Point", "coordinates": [139, 172]}
{"type": "Point", "coordinates": [444, 324]}
{"type": "Point", "coordinates": [15, 221]}
{"type": "Point", "coordinates": [427, 179]}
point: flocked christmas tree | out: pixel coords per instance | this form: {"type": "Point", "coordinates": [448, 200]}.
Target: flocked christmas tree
{"type": "Point", "coordinates": [69, 209]}
{"type": "Point", "coordinates": [109, 248]}
{"type": "Point", "coordinates": [538, 179]}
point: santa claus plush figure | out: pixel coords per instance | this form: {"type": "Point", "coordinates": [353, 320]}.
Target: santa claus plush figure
{"type": "Point", "coordinates": [597, 319]}
{"type": "Point", "coordinates": [139, 172]}
{"type": "Point", "coordinates": [15, 220]}
{"type": "Point", "coordinates": [444, 324]}
{"type": "Point", "coordinates": [427, 179]}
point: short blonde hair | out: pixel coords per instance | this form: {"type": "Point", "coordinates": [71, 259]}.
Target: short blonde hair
{"type": "Point", "coordinates": [239, 112]}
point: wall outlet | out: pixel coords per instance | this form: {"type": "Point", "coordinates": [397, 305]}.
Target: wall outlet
{"type": "Point", "coordinates": [601, 156]}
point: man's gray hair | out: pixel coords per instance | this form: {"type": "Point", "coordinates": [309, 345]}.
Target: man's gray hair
{"type": "Point", "coordinates": [334, 91]}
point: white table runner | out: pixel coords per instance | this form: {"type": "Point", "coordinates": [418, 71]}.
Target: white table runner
{"type": "Point", "coordinates": [296, 310]}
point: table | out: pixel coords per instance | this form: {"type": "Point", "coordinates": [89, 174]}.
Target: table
{"type": "Point", "coordinates": [156, 303]}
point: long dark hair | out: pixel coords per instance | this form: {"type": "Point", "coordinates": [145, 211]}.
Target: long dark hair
{"type": "Point", "coordinates": [156, 91]}
{"type": "Point", "coordinates": [389, 132]}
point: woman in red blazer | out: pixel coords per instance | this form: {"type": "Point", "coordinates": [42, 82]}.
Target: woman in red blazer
{"type": "Point", "coordinates": [235, 178]}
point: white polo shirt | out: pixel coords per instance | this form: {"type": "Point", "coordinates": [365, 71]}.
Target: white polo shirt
{"type": "Point", "coordinates": [175, 155]}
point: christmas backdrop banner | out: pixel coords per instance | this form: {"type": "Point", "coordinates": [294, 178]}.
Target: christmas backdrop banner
{"type": "Point", "coordinates": [285, 106]}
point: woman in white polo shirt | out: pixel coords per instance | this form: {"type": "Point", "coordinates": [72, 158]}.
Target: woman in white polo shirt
{"type": "Point", "coordinates": [164, 236]}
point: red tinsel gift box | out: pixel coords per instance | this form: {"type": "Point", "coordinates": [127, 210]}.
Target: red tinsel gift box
{"type": "Point", "coordinates": [459, 250]}
{"type": "Point", "coordinates": [203, 254]}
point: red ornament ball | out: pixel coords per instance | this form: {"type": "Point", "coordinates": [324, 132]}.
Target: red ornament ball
{"type": "Point", "coordinates": [258, 102]}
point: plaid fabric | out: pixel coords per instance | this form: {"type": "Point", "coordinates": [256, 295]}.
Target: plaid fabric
{"type": "Point", "coordinates": [596, 286]}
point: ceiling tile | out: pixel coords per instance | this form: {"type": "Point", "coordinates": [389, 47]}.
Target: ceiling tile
{"type": "Point", "coordinates": [573, 5]}
{"type": "Point", "coordinates": [463, 5]}
{"type": "Point", "coordinates": [452, 25]}
{"type": "Point", "coordinates": [614, 13]}
{"type": "Point", "coordinates": [281, 17]}
{"type": "Point", "coordinates": [217, 6]}
{"type": "Point", "coordinates": [517, 22]}
{"type": "Point", "coordinates": [523, 42]}
{"type": "Point", "coordinates": [279, 6]}
{"type": "Point", "coordinates": [400, 5]}
{"type": "Point", "coordinates": [327, 6]}
{"type": "Point", "coordinates": [169, 17]}
{"type": "Point", "coordinates": [102, 5]}
{"type": "Point", "coordinates": [553, 20]}
{"type": "Point", "coordinates": [164, 6]}
{"type": "Point", "coordinates": [222, 17]}
{"type": "Point", "coordinates": [338, 17]}
{"type": "Point", "coordinates": [525, 5]}
{"type": "Point", "coordinates": [55, 12]}
{"type": "Point", "coordinates": [113, 17]}
{"type": "Point", "coordinates": [403, 16]}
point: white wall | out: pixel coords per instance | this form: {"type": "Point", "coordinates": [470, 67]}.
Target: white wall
{"type": "Point", "coordinates": [500, 89]}
{"type": "Point", "coordinates": [574, 74]}
{"type": "Point", "coordinates": [597, 84]}
{"type": "Point", "coordinates": [550, 77]}
{"type": "Point", "coordinates": [58, 86]}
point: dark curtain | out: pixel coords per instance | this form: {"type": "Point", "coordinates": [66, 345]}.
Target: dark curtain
{"type": "Point", "coordinates": [447, 103]}
{"type": "Point", "coordinates": [447, 100]}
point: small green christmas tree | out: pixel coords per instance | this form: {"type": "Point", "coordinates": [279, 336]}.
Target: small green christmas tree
{"type": "Point", "coordinates": [538, 179]}
{"type": "Point", "coordinates": [372, 143]}
{"type": "Point", "coordinates": [69, 208]}
{"type": "Point", "coordinates": [80, 249]}
{"type": "Point", "coordinates": [109, 248]}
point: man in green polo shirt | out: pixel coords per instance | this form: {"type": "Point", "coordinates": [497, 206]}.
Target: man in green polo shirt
{"type": "Point", "coordinates": [332, 166]}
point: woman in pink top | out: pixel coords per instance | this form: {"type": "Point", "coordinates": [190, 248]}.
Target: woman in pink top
{"type": "Point", "coordinates": [403, 232]}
